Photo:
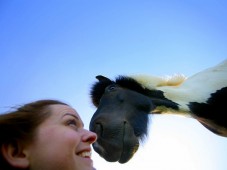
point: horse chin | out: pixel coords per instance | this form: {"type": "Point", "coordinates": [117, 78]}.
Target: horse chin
{"type": "Point", "coordinates": [110, 152]}
{"type": "Point", "coordinates": [118, 149]}
{"type": "Point", "coordinates": [130, 144]}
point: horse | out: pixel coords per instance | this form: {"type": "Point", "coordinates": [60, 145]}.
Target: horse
{"type": "Point", "coordinates": [124, 104]}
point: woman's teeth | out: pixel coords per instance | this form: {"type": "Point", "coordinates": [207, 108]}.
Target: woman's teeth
{"type": "Point", "coordinates": [85, 154]}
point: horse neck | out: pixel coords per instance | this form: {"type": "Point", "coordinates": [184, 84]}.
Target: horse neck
{"type": "Point", "coordinates": [174, 95]}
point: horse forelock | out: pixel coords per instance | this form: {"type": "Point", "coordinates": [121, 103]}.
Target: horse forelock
{"type": "Point", "coordinates": [98, 90]}
{"type": "Point", "coordinates": [127, 82]}
{"type": "Point", "coordinates": [130, 83]}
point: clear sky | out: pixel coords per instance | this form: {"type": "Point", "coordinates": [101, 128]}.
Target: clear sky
{"type": "Point", "coordinates": [55, 48]}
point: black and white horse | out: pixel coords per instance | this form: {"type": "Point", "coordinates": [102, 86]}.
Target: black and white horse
{"type": "Point", "coordinates": [123, 106]}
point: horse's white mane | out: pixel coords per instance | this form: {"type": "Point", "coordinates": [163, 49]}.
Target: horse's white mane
{"type": "Point", "coordinates": [152, 82]}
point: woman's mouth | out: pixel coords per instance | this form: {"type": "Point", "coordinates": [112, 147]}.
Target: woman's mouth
{"type": "Point", "coordinates": [85, 154]}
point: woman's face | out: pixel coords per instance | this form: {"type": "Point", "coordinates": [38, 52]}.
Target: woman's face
{"type": "Point", "coordinates": [61, 142]}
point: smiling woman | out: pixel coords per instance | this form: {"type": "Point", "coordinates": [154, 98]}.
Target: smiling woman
{"type": "Point", "coordinates": [47, 135]}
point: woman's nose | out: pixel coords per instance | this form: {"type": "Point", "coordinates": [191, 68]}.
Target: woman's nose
{"type": "Point", "coordinates": [89, 137]}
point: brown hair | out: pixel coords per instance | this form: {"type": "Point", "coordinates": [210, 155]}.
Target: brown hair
{"type": "Point", "coordinates": [20, 125]}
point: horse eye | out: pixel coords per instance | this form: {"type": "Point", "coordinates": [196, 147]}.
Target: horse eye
{"type": "Point", "coordinates": [111, 88]}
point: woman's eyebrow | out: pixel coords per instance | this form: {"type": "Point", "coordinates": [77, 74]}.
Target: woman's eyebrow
{"type": "Point", "coordinates": [70, 114]}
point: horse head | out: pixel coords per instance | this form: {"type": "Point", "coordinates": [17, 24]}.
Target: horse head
{"type": "Point", "coordinates": [121, 118]}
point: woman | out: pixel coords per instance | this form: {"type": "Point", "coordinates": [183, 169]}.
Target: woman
{"type": "Point", "coordinates": [45, 135]}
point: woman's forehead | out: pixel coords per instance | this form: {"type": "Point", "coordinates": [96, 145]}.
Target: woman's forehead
{"type": "Point", "coordinates": [60, 110]}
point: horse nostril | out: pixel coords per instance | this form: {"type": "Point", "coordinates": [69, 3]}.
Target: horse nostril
{"type": "Point", "coordinates": [98, 129]}
{"type": "Point", "coordinates": [125, 122]}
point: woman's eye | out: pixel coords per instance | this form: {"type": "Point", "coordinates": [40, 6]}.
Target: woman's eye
{"type": "Point", "coordinates": [71, 122]}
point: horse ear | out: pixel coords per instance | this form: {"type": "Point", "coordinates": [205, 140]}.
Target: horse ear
{"type": "Point", "coordinates": [102, 78]}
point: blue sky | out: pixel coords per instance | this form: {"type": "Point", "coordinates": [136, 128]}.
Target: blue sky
{"type": "Point", "coordinates": [54, 49]}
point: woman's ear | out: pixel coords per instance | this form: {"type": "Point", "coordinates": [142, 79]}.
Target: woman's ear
{"type": "Point", "coordinates": [15, 155]}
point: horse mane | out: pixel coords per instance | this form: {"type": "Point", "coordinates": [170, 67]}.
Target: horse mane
{"type": "Point", "coordinates": [152, 82]}
{"type": "Point", "coordinates": [143, 84]}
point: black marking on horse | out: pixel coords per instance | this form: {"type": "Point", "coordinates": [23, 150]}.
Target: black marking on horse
{"type": "Point", "coordinates": [213, 109]}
